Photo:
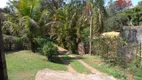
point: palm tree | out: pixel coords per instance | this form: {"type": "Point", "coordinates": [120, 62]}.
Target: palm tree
{"type": "Point", "coordinates": [97, 14]}
{"type": "Point", "coordinates": [100, 16]}
{"type": "Point", "coordinates": [52, 5]}
{"type": "Point", "coordinates": [67, 23]}
{"type": "Point", "coordinates": [64, 20]}
{"type": "Point", "coordinates": [89, 12]}
{"type": "Point", "coordinates": [27, 19]}
{"type": "Point", "coordinates": [3, 70]}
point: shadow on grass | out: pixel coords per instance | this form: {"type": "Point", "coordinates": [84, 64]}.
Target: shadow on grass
{"type": "Point", "coordinates": [64, 59]}
{"type": "Point", "coordinates": [56, 59]}
{"type": "Point", "coordinates": [61, 58]}
{"type": "Point", "coordinates": [11, 52]}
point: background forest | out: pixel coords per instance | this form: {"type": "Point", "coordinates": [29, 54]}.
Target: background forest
{"type": "Point", "coordinates": [43, 25]}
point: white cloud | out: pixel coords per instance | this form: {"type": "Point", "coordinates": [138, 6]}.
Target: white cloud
{"type": "Point", "coordinates": [3, 3]}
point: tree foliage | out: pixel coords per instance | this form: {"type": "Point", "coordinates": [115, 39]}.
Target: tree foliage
{"type": "Point", "coordinates": [123, 4]}
{"type": "Point", "coordinates": [134, 15]}
{"type": "Point", "coordinates": [66, 23]}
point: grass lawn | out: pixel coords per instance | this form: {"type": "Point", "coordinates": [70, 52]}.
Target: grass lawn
{"type": "Point", "coordinates": [24, 65]}
{"type": "Point", "coordinates": [116, 71]}
{"type": "Point", "coordinates": [98, 63]}
{"type": "Point", "coordinates": [136, 72]}
{"type": "Point", "coordinates": [76, 65]}
{"type": "Point", "coordinates": [79, 67]}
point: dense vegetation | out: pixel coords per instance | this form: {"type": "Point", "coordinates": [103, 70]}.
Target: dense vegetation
{"type": "Point", "coordinates": [42, 25]}
{"type": "Point", "coordinates": [64, 23]}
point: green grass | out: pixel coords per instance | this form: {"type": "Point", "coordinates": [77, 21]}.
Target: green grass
{"type": "Point", "coordinates": [24, 65]}
{"type": "Point", "coordinates": [136, 72]}
{"type": "Point", "coordinates": [98, 63]}
{"type": "Point", "coordinates": [79, 67]}
{"type": "Point", "coordinates": [76, 65]}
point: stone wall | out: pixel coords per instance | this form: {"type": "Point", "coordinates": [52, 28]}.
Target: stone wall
{"type": "Point", "coordinates": [132, 33]}
{"type": "Point", "coordinates": [133, 37]}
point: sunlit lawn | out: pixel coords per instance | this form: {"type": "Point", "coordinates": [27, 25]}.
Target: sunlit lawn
{"type": "Point", "coordinates": [76, 65]}
{"type": "Point", "coordinates": [24, 65]}
{"type": "Point", "coordinates": [116, 71]}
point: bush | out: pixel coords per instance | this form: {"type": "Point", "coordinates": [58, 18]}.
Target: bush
{"type": "Point", "coordinates": [49, 50]}
{"type": "Point", "coordinates": [40, 44]}
{"type": "Point", "coordinates": [12, 43]}
{"type": "Point", "coordinates": [116, 22]}
{"type": "Point", "coordinates": [107, 48]}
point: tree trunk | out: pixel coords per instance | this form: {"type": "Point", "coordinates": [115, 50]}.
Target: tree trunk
{"type": "Point", "coordinates": [101, 24]}
{"type": "Point", "coordinates": [55, 4]}
{"type": "Point", "coordinates": [32, 44]}
{"type": "Point", "coordinates": [90, 39]}
{"type": "Point", "coordinates": [3, 70]}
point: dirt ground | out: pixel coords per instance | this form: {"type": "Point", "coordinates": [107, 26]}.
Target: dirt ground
{"type": "Point", "coordinates": [64, 75]}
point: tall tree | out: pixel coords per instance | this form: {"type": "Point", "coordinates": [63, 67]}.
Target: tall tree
{"type": "Point", "coordinates": [111, 8]}
{"type": "Point", "coordinates": [52, 5]}
{"type": "Point", "coordinates": [100, 16]}
{"type": "Point", "coordinates": [123, 4]}
{"type": "Point", "coordinates": [140, 3]}
{"type": "Point", "coordinates": [29, 18]}
{"type": "Point", "coordinates": [90, 12]}
{"type": "Point", "coordinates": [3, 70]}
{"type": "Point", "coordinates": [97, 15]}
{"type": "Point", "coordinates": [67, 24]}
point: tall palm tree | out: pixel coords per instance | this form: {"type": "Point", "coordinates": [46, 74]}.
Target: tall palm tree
{"type": "Point", "coordinates": [68, 22]}
{"type": "Point", "coordinates": [52, 5]}
{"type": "Point", "coordinates": [28, 19]}
{"type": "Point", "coordinates": [28, 16]}
{"type": "Point", "coordinates": [89, 12]}
{"type": "Point", "coordinates": [3, 70]}
{"type": "Point", "coordinates": [100, 16]}
{"type": "Point", "coordinates": [96, 11]}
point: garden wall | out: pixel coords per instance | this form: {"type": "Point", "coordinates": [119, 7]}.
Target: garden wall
{"type": "Point", "coordinates": [133, 37]}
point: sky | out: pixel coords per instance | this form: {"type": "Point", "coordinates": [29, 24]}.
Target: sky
{"type": "Point", "coordinates": [134, 2]}
{"type": "Point", "coordinates": [3, 2]}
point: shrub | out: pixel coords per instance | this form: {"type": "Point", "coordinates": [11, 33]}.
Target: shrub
{"type": "Point", "coordinates": [49, 50]}
{"type": "Point", "coordinates": [40, 44]}
{"type": "Point", "coordinates": [107, 48]}
{"type": "Point", "coordinates": [13, 43]}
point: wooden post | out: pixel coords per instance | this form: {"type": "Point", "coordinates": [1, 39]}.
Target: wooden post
{"type": "Point", "coordinates": [3, 70]}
